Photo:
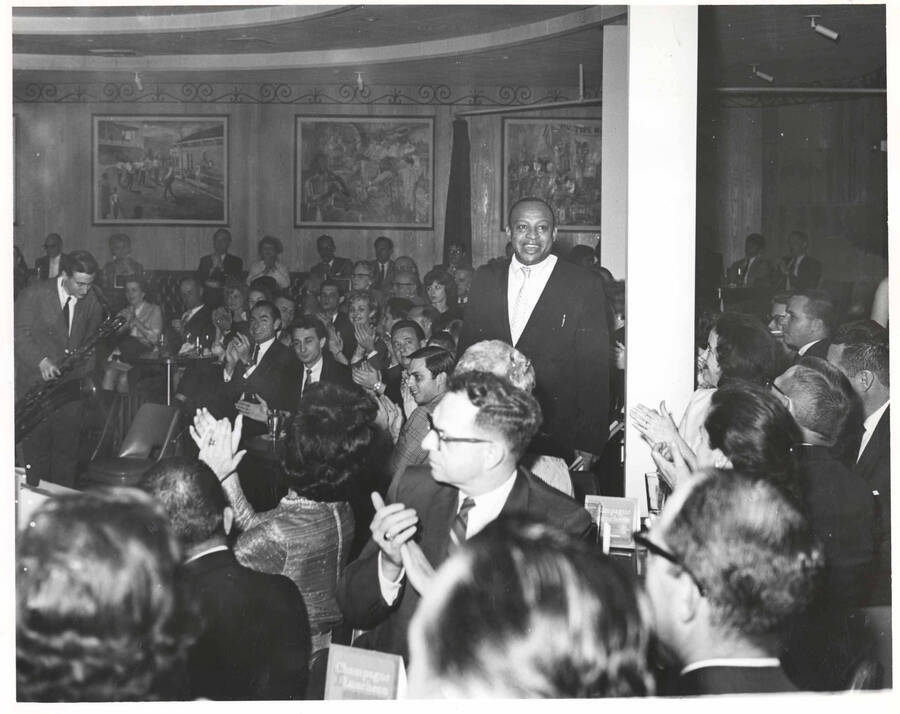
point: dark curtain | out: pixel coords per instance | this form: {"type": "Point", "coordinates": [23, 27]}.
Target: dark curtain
{"type": "Point", "coordinates": [458, 220]}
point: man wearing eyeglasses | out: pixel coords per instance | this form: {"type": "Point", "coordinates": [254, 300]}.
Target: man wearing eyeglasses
{"type": "Point", "coordinates": [731, 565]}
{"type": "Point", "coordinates": [51, 265]}
{"type": "Point", "coordinates": [479, 430]}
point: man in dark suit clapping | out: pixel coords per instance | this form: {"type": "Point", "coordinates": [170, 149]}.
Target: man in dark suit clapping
{"type": "Point", "coordinates": [220, 259]}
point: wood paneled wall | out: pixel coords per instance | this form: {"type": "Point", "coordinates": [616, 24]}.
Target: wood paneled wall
{"type": "Point", "coordinates": [812, 167]}
{"type": "Point", "coordinates": [54, 184]}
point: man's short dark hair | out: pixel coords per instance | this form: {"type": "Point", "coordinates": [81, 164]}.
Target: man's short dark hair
{"type": "Point", "coordinates": [866, 347]}
{"type": "Point", "coordinates": [192, 496]}
{"type": "Point", "coordinates": [223, 232]}
{"type": "Point", "coordinates": [821, 395]}
{"type": "Point", "coordinates": [266, 284]}
{"type": "Point", "coordinates": [384, 239]}
{"type": "Point", "coordinates": [324, 237]}
{"type": "Point", "coordinates": [427, 311]}
{"type": "Point", "coordinates": [329, 283]}
{"type": "Point", "coordinates": [801, 235]}
{"type": "Point", "coordinates": [119, 238]}
{"type": "Point", "coordinates": [408, 325]}
{"type": "Point", "coordinates": [745, 348]}
{"type": "Point", "coordinates": [751, 549]}
{"type": "Point", "coordinates": [99, 612]}
{"type": "Point", "coordinates": [757, 240]}
{"type": "Point", "coordinates": [531, 199]}
{"type": "Point", "coordinates": [502, 408]}
{"type": "Point", "coordinates": [190, 279]}
{"type": "Point", "coordinates": [274, 312]}
{"type": "Point", "coordinates": [820, 306]}
{"type": "Point", "coordinates": [80, 261]}
{"type": "Point", "coordinates": [310, 322]}
{"type": "Point", "coordinates": [437, 360]}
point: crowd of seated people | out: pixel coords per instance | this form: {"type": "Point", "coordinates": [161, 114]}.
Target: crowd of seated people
{"type": "Point", "coordinates": [412, 510]}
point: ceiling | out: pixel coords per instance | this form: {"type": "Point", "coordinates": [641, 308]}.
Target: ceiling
{"type": "Point", "coordinates": [475, 45]}
{"type": "Point", "coordinates": [780, 40]}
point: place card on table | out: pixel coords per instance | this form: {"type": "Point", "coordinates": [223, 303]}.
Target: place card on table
{"type": "Point", "coordinates": [616, 519]}
{"type": "Point", "coordinates": [355, 673]}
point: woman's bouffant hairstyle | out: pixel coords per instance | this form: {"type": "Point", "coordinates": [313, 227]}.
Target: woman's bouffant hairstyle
{"type": "Point", "coordinates": [756, 432]}
{"type": "Point", "coordinates": [524, 610]}
{"type": "Point", "coordinates": [746, 349]}
{"type": "Point", "coordinates": [439, 275]}
{"type": "Point", "coordinates": [374, 308]}
{"type": "Point", "coordinates": [330, 441]}
{"type": "Point", "coordinates": [99, 615]}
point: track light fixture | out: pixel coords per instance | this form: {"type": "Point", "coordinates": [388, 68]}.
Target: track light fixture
{"type": "Point", "coordinates": [762, 75]}
{"type": "Point", "coordinates": [821, 29]}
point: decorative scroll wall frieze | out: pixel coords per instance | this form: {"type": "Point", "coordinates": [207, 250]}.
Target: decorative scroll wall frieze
{"type": "Point", "coordinates": [283, 93]}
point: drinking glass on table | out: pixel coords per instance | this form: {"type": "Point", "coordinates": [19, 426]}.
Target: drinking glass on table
{"type": "Point", "coordinates": [275, 423]}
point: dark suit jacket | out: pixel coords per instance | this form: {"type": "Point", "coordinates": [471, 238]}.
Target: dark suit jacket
{"type": "Point", "coordinates": [42, 265]}
{"type": "Point", "coordinates": [232, 265]}
{"type": "Point", "coordinates": [276, 379]}
{"type": "Point", "coordinates": [255, 637]}
{"type": "Point", "coordinates": [344, 328]}
{"type": "Point", "coordinates": [40, 331]}
{"type": "Point", "coordinates": [808, 275]}
{"type": "Point", "coordinates": [332, 372]}
{"type": "Point", "coordinates": [387, 284]}
{"type": "Point", "coordinates": [341, 268]}
{"type": "Point", "coordinates": [760, 273]}
{"type": "Point", "coordinates": [359, 595]}
{"type": "Point", "coordinates": [874, 467]}
{"type": "Point", "coordinates": [567, 341]}
{"type": "Point", "coordinates": [200, 324]}
{"type": "Point", "coordinates": [734, 680]}
{"type": "Point", "coordinates": [818, 349]}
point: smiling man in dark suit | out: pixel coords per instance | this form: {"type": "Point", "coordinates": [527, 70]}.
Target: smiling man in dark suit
{"type": "Point", "coordinates": [480, 429]}
{"type": "Point", "coordinates": [555, 314]}
{"type": "Point", "coordinates": [52, 317]}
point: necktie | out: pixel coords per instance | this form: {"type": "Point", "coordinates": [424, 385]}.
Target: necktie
{"type": "Point", "coordinates": [65, 314]}
{"type": "Point", "coordinates": [307, 381]}
{"type": "Point", "coordinates": [383, 272]}
{"type": "Point", "coordinates": [461, 523]}
{"type": "Point", "coordinates": [517, 316]}
{"type": "Point", "coordinates": [254, 355]}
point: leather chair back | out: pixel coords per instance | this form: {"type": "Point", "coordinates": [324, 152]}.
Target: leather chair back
{"type": "Point", "coordinates": [151, 433]}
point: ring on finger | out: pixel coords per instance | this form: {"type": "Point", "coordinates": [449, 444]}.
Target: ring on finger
{"type": "Point", "coordinates": [387, 536]}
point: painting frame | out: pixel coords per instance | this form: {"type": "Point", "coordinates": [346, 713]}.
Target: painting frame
{"type": "Point", "coordinates": [378, 172]}
{"type": "Point", "coordinates": [195, 146]}
{"type": "Point", "coordinates": [541, 157]}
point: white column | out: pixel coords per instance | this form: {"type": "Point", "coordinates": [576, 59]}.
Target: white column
{"type": "Point", "coordinates": [662, 131]}
{"type": "Point", "coordinates": [614, 163]}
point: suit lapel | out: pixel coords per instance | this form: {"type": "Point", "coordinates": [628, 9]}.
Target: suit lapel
{"type": "Point", "coordinates": [873, 449]}
{"type": "Point", "coordinates": [517, 501]}
{"type": "Point", "coordinates": [545, 310]}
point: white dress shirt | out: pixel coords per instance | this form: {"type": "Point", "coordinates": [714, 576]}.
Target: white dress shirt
{"type": "Point", "coordinates": [214, 549]}
{"type": "Point", "coordinates": [53, 267]}
{"type": "Point", "coordinates": [263, 348]}
{"type": "Point", "coordinates": [63, 296]}
{"type": "Point", "coordinates": [539, 274]}
{"type": "Point", "coordinates": [486, 509]}
{"type": "Point", "coordinates": [315, 374]}
{"type": "Point", "coordinates": [803, 350]}
{"type": "Point", "coordinates": [733, 662]}
{"type": "Point", "coordinates": [869, 425]}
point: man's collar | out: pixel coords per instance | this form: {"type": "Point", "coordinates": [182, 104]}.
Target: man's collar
{"type": "Point", "coordinates": [495, 493]}
{"type": "Point", "coordinates": [732, 662]}
{"type": "Point", "coordinates": [546, 264]}
{"type": "Point", "coordinates": [871, 421]}
{"type": "Point", "coordinates": [207, 551]}
{"type": "Point", "coordinates": [803, 350]}
{"type": "Point", "coordinates": [315, 364]}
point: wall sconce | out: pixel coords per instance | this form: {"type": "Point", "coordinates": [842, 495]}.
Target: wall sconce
{"type": "Point", "coordinates": [821, 29]}
{"type": "Point", "coordinates": [138, 83]}
{"type": "Point", "coordinates": [762, 75]}
{"type": "Point", "coordinates": [360, 85]}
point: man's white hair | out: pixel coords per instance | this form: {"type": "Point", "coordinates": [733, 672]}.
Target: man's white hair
{"type": "Point", "coordinates": [501, 359]}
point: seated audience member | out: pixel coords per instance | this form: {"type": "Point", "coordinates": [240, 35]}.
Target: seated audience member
{"type": "Point", "coordinates": [525, 611]}
{"type": "Point", "coordinates": [503, 360]}
{"type": "Point", "coordinates": [122, 264]}
{"type": "Point", "coordinates": [582, 255]}
{"type": "Point", "coordinates": [330, 266]}
{"type": "Point", "coordinates": [383, 265]}
{"type": "Point", "coordinates": [739, 347]}
{"type": "Point", "coordinates": [880, 304]}
{"type": "Point", "coordinates": [257, 294]}
{"type": "Point", "coordinates": [54, 262]}
{"type": "Point", "coordinates": [265, 284]}
{"type": "Point", "coordinates": [363, 278]}
{"type": "Point", "coordinates": [394, 309]}
{"type": "Point", "coordinates": [800, 271]}
{"type": "Point", "coordinates": [254, 638]}
{"type": "Point", "coordinates": [463, 277]}
{"type": "Point", "coordinates": [753, 270]}
{"type": "Point", "coordinates": [429, 370]}
{"type": "Point", "coordinates": [479, 431]}
{"type": "Point", "coordinates": [441, 290]}
{"type": "Point", "coordinates": [259, 373]}
{"type": "Point", "coordinates": [220, 261]}
{"type": "Point", "coordinates": [341, 335]}
{"type": "Point", "coordinates": [269, 263]}
{"type": "Point", "coordinates": [286, 308]}
{"type": "Point", "coordinates": [809, 322]}
{"type": "Point", "coordinates": [777, 316]}
{"type": "Point", "coordinates": [406, 337]}
{"type": "Point", "coordinates": [309, 339]}
{"type": "Point", "coordinates": [861, 351]}
{"type": "Point", "coordinates": [457, 257]}
{"type": "Point", "coordinates": [235, 293]}
{"type": "Point", "coordinates": [426, 316]}
{"type": "Point", "coordinates": [731, 563]}
{"type": "Point", "coordinates": [99, 616]}
{"type": "Point", "coordinates": [444, 340]}
{"type": "Point", "coordinates": [195, 323]}
{"type": "Point", "coordinates": [139, 334]}
{"type": "Point", "coordinates": [308, 535]}
{"type": "Point", "coordinates": [406, 286]}
{"type": "Point", "coordinates": [363, 315]}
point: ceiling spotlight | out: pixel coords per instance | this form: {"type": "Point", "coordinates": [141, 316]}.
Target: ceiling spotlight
{"type": "Point", "coordinates": [821, 29]}
{"type": "Point", "coordinates": [762, 75]}
{"type": "Point", "coordinates": [138, 83]}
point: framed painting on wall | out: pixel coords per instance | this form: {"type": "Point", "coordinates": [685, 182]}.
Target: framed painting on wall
{"type": "Point", "coordinates": [557, 160]}
{"type": "Point", "coordinates": [364, 172]}
{"type": "Point", "coordinates": [160, 169]}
